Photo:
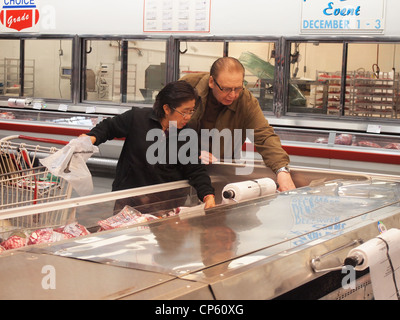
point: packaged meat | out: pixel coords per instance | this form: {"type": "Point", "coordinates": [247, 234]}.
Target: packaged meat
{"type": "Point", "coordinates": [45, 235]}
{"type": "Point", "coordinates": [16, 240]}
{"type": "Point", "coordinates": [393, 146]}
{"type": "Point", "coordinates": [7, 115]}
{"type": "Point", "coordinates": [73, 230]}
{"type": "Point", "coordinates": [368, 144]}
{"type": "Point", "coordinates": [126, 217]}
{"type": "Point", "coordinates": [344, 139]}
{"type": "Point", "coordinates": [321, 140]}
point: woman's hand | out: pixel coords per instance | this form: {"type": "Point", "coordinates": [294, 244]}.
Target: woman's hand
{"type": "Point", "coordinates": [209, 201]}
{"type": "Point", "coordinates": [92, 138]}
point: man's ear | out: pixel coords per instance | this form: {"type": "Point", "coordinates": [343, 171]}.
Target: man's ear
{"type": "Point", "coordinates": [211, 82]}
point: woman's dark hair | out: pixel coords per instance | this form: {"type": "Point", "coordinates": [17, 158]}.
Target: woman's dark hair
{"type": "Point", "coordinates": [173, 94]}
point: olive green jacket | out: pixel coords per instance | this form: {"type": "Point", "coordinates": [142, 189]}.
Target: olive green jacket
{"type": "Point", "coordinates": [244, 113]}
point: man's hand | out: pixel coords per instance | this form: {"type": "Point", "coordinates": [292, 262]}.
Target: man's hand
{"type": "Point", "coordinates": [207, 157]}
{"type": "Point", "coordinates": [285, 182]}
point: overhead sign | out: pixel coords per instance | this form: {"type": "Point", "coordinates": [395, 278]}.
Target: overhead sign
{"type": "Point", "coordinates": [18, 15]}
{"type": "Point", "coordinates": [343, 16]}
{"type": "Point", "coordinates": [176, 16]}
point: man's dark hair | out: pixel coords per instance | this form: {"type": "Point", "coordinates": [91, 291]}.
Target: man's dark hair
{"type": "Point", "coordinates": [226, 64]}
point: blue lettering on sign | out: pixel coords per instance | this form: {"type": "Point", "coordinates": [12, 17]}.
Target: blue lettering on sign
{"type": "Point", "coordinates": [326, 24]}
{"type": "Point", "coordinates": [330, 10]}
{"type": "Point", "coordinates": [19, 4]}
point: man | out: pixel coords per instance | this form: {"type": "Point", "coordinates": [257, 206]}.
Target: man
{"type": "Point", "coordinates": [225, 104]}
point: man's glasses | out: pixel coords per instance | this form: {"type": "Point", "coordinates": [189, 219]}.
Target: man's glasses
{"type": "Point", "coordinates": [185, 114]}
{"type": "Point", "coordinates": [228, 90]}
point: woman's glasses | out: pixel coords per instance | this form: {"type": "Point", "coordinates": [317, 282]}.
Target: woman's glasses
{"type": "Point", "coordinates": [185, 114]}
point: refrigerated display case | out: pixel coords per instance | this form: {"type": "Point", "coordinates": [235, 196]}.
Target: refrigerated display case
{"type": "Point", "coordinates": [372, 152]}
{"type": "Point", "coordinates": [377, 152]}
{"type": "Point", "coordinates": [55, 124]}
{"type": "Point", "coordinates": [274, 246]}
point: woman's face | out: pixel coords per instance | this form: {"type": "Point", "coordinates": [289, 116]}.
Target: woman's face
{"type": "Point", "coordinates": [181, 115]}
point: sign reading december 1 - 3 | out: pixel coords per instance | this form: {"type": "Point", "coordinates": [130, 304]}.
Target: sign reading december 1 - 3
{"type": "Point", "coordinates": [343, 16]}
{"type": "Point", "coordinates": [19, 15]}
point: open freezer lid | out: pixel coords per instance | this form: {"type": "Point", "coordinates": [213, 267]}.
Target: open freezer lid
{"type": "Point", "coordinates": [259, 228]}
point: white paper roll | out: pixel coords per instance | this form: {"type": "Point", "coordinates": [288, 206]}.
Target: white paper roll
{"type": "Point", "coordinates": [19, 103]}
{"type": "Point", "coordinates": [373, 249]}
{"type": "Point", "coordinates": [381, 255]}
{"type": "Point", "coordinates": [249, 189]}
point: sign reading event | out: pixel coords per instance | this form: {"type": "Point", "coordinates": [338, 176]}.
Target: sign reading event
{"type": "Point", "coordinates": [343, 16]}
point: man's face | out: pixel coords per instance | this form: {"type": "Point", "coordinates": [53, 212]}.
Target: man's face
{"type": "Point", "coordinates": [227, 87]}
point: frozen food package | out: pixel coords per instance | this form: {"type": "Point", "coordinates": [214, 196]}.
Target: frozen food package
{"type": "Point", "coordinates": [126, 217]}
{"type": "Point", "coordinates": [45, 235]}
{"type": "Point", "coordinates": [73, 230]}
{"type": "Point", "coordinates": [344, 139]}
{"type": "Point", "coordinates": [16, 240]}
{"type": "Point", "coordinates": [368, 144]}
{"type": "Point", "coordinates": [393, 146]}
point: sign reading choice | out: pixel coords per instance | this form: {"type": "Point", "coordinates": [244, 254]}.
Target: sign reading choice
{"type": "Point", "coordinates": [343, 16]}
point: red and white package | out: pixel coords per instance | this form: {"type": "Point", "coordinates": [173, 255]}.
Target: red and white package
{"type": "Point", "coordinates": [173, 212]}
{"type": "Point", "coordinates": [73, 230]}
{"type": "Point", "coordinates": [321, 140]}
{"type": "Point", "coordinates": [46, 235]}
{"type": "Point", "coordinates": [368, 144]}
{"type": "Point", "coordinates": [393, 146]}
{"type": "Point", "coordinates": [344, 139]}
{"type": "Point", "coordinates": [15, 241]}
{"type": "Point", "coordinates": [126, 217]}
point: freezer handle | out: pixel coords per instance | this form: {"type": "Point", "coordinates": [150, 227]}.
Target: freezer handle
{"type": "Point", "coordinates": [317, 262]}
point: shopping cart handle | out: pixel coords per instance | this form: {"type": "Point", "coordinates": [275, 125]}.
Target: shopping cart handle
{"type": "Point", "coordinates": [46, 140]}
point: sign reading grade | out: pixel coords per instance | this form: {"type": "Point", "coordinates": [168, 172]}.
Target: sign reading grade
{"type": "Point", "coordinates": [343, 16]}
{"type": "Point", "coordinates": [19, 14]}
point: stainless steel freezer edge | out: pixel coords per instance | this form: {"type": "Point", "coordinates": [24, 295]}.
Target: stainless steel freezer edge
{"type": "Point", "coordinates": [273, 276]}
{"type": "Point", "coordinates": [35, 276]}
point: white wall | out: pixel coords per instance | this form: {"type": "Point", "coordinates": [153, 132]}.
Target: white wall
{"type": "Point", "coordinates": [228, 17]}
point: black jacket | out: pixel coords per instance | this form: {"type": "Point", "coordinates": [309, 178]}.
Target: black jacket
{"type": "Point", "coordinates": [133, 168]}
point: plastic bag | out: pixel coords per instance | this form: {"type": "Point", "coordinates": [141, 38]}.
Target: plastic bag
{"type": "Point", "coordinates": [70, 164]}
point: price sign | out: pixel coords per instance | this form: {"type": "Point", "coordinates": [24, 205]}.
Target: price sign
{"type": "Point", "coordinates": [343, 16]}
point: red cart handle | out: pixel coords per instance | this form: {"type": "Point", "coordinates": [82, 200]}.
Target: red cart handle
{"type": "Point", "coordinates": [46, 140]}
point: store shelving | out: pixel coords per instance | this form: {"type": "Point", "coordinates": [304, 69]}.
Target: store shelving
{"type": "Point", "coordinates": [11, 77]}
{"type": "Point", "coordinates": [328, 92]}
{"type": "Point", "coordinates": [366, 94]}
{"type": "Point", "coordinates": [372, 95]}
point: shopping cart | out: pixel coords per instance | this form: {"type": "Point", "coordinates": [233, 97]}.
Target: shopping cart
{"type": "Point", "coordinates": [24, 182]}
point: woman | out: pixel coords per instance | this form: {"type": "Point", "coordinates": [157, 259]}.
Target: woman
{"type": "Point", "coordinates": [174, 105]}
